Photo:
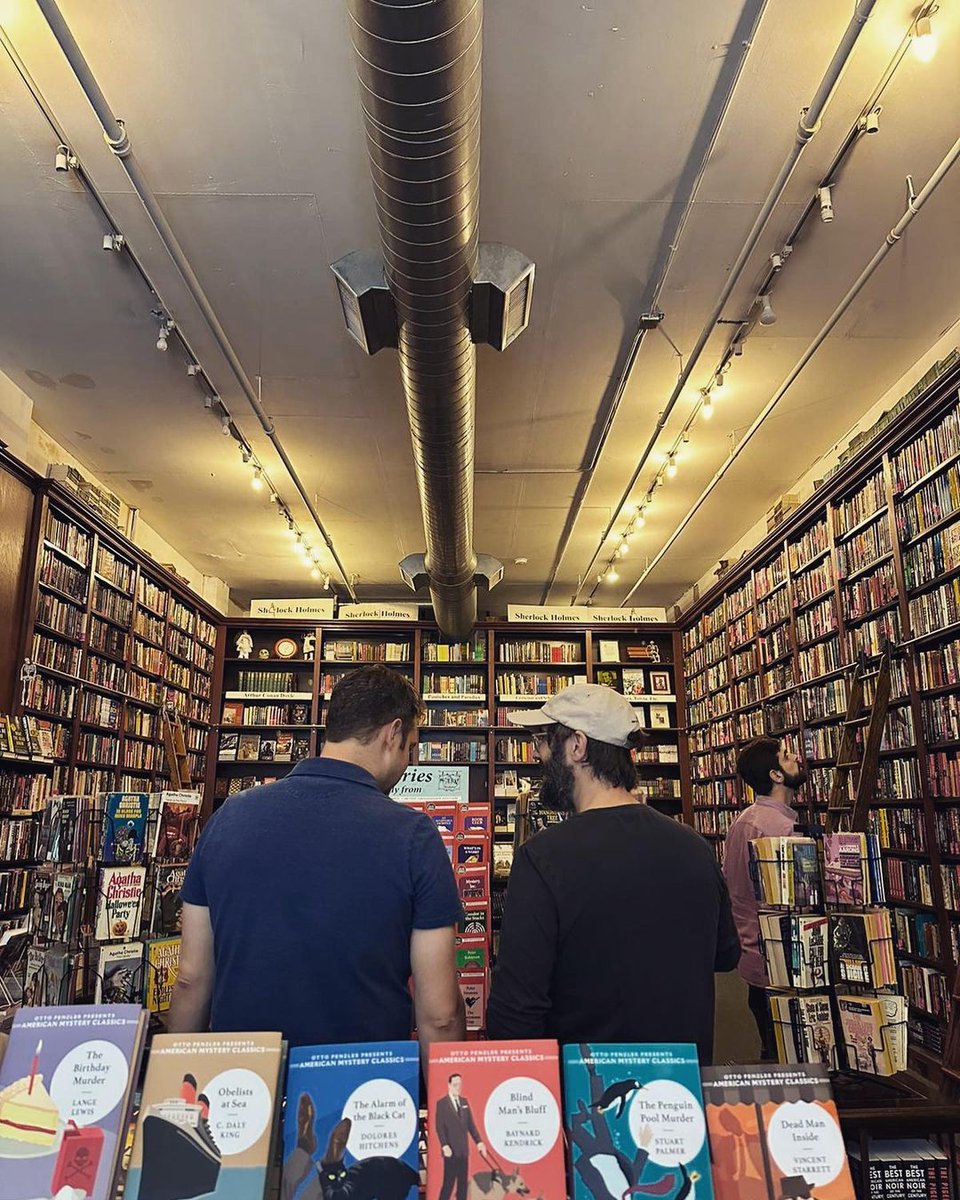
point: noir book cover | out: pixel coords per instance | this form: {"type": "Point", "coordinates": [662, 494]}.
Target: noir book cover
{"type": "Point", "coordinates": [494, 1121]}
{"type": "Point", "coordinates": [206, 1117]}
{"type": "Point", "coordinates": [635, 1122]}
{"type": "Point", "coordinates": [351, 1122]}
{"type": "Point", "coordinates": [775, 1134]}
{"type": "Point", "coordinates": [124, 827]}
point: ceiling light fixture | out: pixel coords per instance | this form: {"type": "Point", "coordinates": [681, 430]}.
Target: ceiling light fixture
{"type": "Point", "coordinates": [244, 453]}
{"type": "Point", "coordinates": [825, 196]}
{"type": "Point", "coordinates": [640, 520]}
{"type": "Point", "coordinates": [257, 481]}
{"type": "Point", "coordinates": [66, 160]}
{"type": "Point", "coordinates": [767, 315]}
{"type": "Point", "coordinates": [706, 408]}
{"type": "Point", "coordinates": [314, 572]}
{"type": "Point", "coordinates": [623, 549]}
{"type": "Point", "coordinates": [870, 122]}
{"type": "Point", "coordinates": [924, 39]}
{"type": "Point", "coordinates": [114, 241]}
{"type": "Point", "coordinates": [611, 575]}
{"type": "Point", "coordinates": [166, 328]}
{"type": "Point", "coordinates": [671, 464]}
{"type": "Point", "coordinates": [326, 583]}
{"type": "Point", "coordinates": [225, 424]}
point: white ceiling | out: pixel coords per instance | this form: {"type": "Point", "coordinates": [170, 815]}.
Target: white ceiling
{"type": "Point", "coordinates": [245, 119]}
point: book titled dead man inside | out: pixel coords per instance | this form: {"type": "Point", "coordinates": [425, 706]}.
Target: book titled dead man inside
{"type": "Point", "coordinates": [65, 1089]}
{"type": "Point", "coordinates": [494, 1123]}
{"type": "Point", "coordinates": [635, 1122]}
{"type": "Point", "coordinates": [351, 1121]}
{"type": "Point", "coordinates": [775, 1134]}
{"type": "Point", "coordinates": [207, 1117]}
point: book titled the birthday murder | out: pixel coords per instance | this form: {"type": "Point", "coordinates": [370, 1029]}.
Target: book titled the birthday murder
{"type": "Point", "coordinates": [635, 1123]}
{"type": "Point", "coordinates": [207, 1117]}
{"type": "Point", "coordinates": [65, 1089]}
{"type": "Point", "coordinates": [494, 1119]}
{"type": "Point", "coordinates": [352, 1120]}
{"type": "Point", "coordinates": [775, 1134]}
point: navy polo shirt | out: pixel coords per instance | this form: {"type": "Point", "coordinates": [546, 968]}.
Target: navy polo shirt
{"type": "Point", "coordinates": [314, 885]}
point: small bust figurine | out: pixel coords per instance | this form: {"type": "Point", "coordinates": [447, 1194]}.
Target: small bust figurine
{"type": "Point", "coordinates": [309, 646]}
{"type": "Point", "coordinates": [28, 672]}
{"type": "Point", "coordinates": [244, 644]}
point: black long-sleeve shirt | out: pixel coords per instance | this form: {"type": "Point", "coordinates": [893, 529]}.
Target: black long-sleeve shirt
{"type": "Point", "coordinates": [615, 923]}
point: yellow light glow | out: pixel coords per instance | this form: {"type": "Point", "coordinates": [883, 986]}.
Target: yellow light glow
{"type": "Point", "coordinates": [257, 481]}
{"type": "Point", "coordinates": [924, 40]}
{"type": "Point", "coordinates": [611, 575]}
{"type": "Point", "coordinates": [671, 466]}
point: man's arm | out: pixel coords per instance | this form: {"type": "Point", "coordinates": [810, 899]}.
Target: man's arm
{"type": "Point", "coordinates": [192, 993]}
{"type": "Point", "coordinates": [520, 992]}
{"type": "Point", "coordinates": [436, 997]}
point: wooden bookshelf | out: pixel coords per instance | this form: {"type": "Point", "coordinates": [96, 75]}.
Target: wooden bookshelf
{"type": "Point", "coordinates": [871, 559]}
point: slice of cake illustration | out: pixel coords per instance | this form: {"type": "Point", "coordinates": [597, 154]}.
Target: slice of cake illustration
{"type": "Point", "coordinates": [180, 1157]}
{"type": "Point", "coordinates": [27, 1114]}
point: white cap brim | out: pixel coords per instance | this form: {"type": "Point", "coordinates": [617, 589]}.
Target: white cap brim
{"type": "Point", "coordinates": [530, 718]}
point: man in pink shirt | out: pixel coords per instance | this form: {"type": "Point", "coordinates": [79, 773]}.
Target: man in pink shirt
{"type": "Point", "coordinates": [774, 774]}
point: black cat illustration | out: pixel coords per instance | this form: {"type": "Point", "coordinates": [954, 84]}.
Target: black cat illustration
{"type": "Point", "coordinates": [379, 1178]}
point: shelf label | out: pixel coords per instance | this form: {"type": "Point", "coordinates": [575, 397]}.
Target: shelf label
{"type": "Point", "coordinates": [424, 784]}
{"type": "Point", "coordinates": [584, 614]}
{"type": "Point", "coordinates": [308, 609]}
{"type": "Point", "coordinates": [382, 611]}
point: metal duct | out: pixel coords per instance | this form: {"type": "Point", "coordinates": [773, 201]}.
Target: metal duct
{"type": "Point", "coordinates": [418, 62]}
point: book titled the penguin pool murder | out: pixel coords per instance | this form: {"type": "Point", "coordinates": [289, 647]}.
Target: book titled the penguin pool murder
{"type": "Point", "coordinates": [494, 1123]}
{"type": "Point", "coordinates": [635, 1122]}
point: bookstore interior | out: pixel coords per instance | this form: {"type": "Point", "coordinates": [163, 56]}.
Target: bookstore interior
{"type": "Point", "coordinates": [270, 410]}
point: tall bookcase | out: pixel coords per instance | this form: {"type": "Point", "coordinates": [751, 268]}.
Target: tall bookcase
{"type": "Point", "coordinates": [116, 641]}
{"type": "Point", "coordinates": [872, 561]}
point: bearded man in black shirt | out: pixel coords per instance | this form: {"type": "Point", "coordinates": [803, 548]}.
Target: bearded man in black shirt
{"type": "Point", "coordinates": [617, 918]}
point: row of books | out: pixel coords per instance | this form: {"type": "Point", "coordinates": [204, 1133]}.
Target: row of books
{"type": "Point", "coordinates": [872, 1031]}
{"type": "Point", "coordinates": [67, 536]}
{"type": "Point", "coordinates": [870, 498]}
{"type": "Point", "coordinates": [815, 950]}
{"type": "Point", "coordinates": [900, 1169]}
{"type": "Point", "coordinates": [933, 556]}
{"type": "Point", "coordinates": [808, 546]}
{"type": "Point", "coordinates": [472, 651]}
{"type": "Point", "coordinates": [532, 651]}
{"type": "Point", "coordinates": [936, 609]}
{"type": "Point", "coordinates": [212, 1109]}
{"type": "Point", "coordinates": [340, 650]}
{"type": "Point", "coordinates": [934, 502]}
{"type": "Point", "coordinates": [278, 746]}
{"type": "Point", "coordinates": [930, 450]}
{"type": "Point", "coordinates": [236, 712]}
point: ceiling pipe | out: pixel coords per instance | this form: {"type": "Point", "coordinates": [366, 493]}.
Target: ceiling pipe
{"type": "Point", "coordinates": [807, 127]}
{"type": "Point", "coordinates": [914, 205]}
{"type": "Point", "coordinates": [116, 137]}
{"type": "Point", "coordinates": [419, 67]}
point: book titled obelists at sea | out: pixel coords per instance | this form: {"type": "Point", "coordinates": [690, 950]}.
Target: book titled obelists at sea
{"type": "Point", "coordinates": [207, 1117]}
{"type": "Point", "coordinates": [65, 1089]}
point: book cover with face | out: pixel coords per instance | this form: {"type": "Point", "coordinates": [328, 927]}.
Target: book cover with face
{"type": "Point", "coordinates": [494, 1121]}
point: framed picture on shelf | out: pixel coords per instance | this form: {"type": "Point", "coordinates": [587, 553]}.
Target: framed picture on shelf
{"type": "Point", "coordinates": [660, 683]}
{"type": "Point", "coordinates": [607, 678]}
{"type": "Point", "coordinates": [634, 682]}
{"type": "Point", "coordinates": [659, 716]}
{"type": "Point", "coordinates": [609, 651]}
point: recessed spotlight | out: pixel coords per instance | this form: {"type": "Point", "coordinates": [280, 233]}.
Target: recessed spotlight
{"type": "Point", "coordinates": [520, 562]}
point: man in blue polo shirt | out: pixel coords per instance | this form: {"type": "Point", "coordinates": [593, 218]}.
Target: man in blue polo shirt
{"type": "Point", "coordinates": [310, 902]}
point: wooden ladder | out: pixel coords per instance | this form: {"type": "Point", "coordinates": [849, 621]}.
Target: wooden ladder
{"type": "Point", "coordinates": [863, 729]}
{"type": "Point", "coordinates": [175, 750]}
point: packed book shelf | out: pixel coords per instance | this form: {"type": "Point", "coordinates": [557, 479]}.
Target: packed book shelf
{"type": "Point", "coordinates": [871, 563]}
{"type": "Point", "coordinates": [113, 644]}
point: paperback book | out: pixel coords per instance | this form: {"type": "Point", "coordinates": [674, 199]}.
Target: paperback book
{"type": "Point", "coordinates": [66, 1083]}
{"type": "Point", "coordinates": [161, 967]}
{"type": "Point", "coordinates": [351, 1120]}
{"type": "Point", "coordinates": [635, 1122]}
{"type": "Point", "coordinates": [166, 905]}
{"type": "Point", "coordinates": [775, 1134]}
{"type": "Point", "coordinates": [207, 1117]}
{"type": "Point", "coordinates": [861, 948]}
{"type": "Point", "coordinates": [874, 1030]}
{"type": "Point", "coordinates": [178, 825]}
{"type": "Point", "coordinates": [494, 1119]}
{"type": "Point", "coordinates": [120, 974]}
{"type": "Point", "coordinates": [124, 827]}
{"type": "Point", "coordinates": [803, 1028]}
{"type": "Point", "coordinates": [795, 949]}
{"type": "Point", "coordinates": [119, 903]}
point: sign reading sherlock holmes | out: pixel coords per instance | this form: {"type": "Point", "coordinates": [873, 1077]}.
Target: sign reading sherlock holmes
{"type": "Point", "coordinates": [584, 614]}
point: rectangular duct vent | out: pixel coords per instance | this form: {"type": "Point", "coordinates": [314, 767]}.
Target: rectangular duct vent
{"type": "Point", "coordinates": [368, 307]}
{"type": "Point", "coordinates": [502, 295]}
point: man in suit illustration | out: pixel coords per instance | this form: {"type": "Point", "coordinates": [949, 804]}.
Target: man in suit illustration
{"type": "Point", "coordinates": [454, 1121]}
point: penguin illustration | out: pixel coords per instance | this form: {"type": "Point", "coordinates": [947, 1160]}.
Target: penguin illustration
{"type": "Point", "coordinates": [617, 1093]}
{"type": "Point", "coordinates": [686, 1189]}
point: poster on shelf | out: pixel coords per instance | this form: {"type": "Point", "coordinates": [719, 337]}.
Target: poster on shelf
{"type": "Point", "coordinates": [308, 608]}
{"type": "Point", "coordinates": [421, 785]}
{"type": "Point", "coordinates": [583, 614]}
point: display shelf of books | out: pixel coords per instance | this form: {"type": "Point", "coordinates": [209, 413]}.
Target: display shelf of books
{"type": "Point", "coordinates": [113, 641]}
{"type": "Point", "coordinates": [871, 564]}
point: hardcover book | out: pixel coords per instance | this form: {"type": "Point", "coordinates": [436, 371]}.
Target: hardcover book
{"type": "Point", "coordinates": [161, 966]}
{"type": "Point", "coordinates": [494, 1119]}
{"type": "Point", "coordinates": [119, 903]}
{"type": "Point", "coordinates": [232, 712]}
{"type": "Point", "coordinates": [124, 827]}
{"type": "Point", "coordinates": [178, 825]}
{"type": "Point", "coordinates": [207, 1117]}
{"type": "Point", "coordinates": [635, 1122]}
{"type": "Point", "coordinates": [229, 743]}
{"type": "Point", "coordinates": [775, 1134]}
{"type": "Point", "coordinates": [120, 974]}
{"type": "Point", "coordinates": [248, 748]}
{"type": "Point", "coordinates": [634, 682]}
{"type": "Point", "coordinates": [284, 747]}
{"type": "Point", "coordinates": [65, 1088]}
{"type": "Point", "coordinates": [351, 1120]}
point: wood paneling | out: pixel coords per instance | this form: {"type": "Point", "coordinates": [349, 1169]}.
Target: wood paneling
{"type": "Point", "coordinates": [16, 516]}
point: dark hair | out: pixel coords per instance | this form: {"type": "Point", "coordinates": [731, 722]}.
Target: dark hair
{"type": "Point", "coordinates": [365, 700]}
{"type": "Point", "coordinates": [757, 759]}
{"type": "Point", "coordinates": [455, 1075]}
{"type": "Point", "coordinates": [612, 764]}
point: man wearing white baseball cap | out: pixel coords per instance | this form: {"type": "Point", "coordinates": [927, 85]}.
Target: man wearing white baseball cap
{"type": "Point", "coordinates": [616, 919]}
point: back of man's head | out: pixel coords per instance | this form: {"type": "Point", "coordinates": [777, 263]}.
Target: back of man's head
{"type": "Point", "coordinates": [757, 759]}
{"type": "Point", "coordinates": [365, 700]}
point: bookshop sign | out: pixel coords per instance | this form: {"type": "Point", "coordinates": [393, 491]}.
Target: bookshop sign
{"type": "Point", "coordinates": [430, 784]}
{"type": "Point", "coordinates": [308, 609]}
{"type": "Point", "coordinates": [384, 611]}
{"type": "Point", "coordinates": [584, 614]}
